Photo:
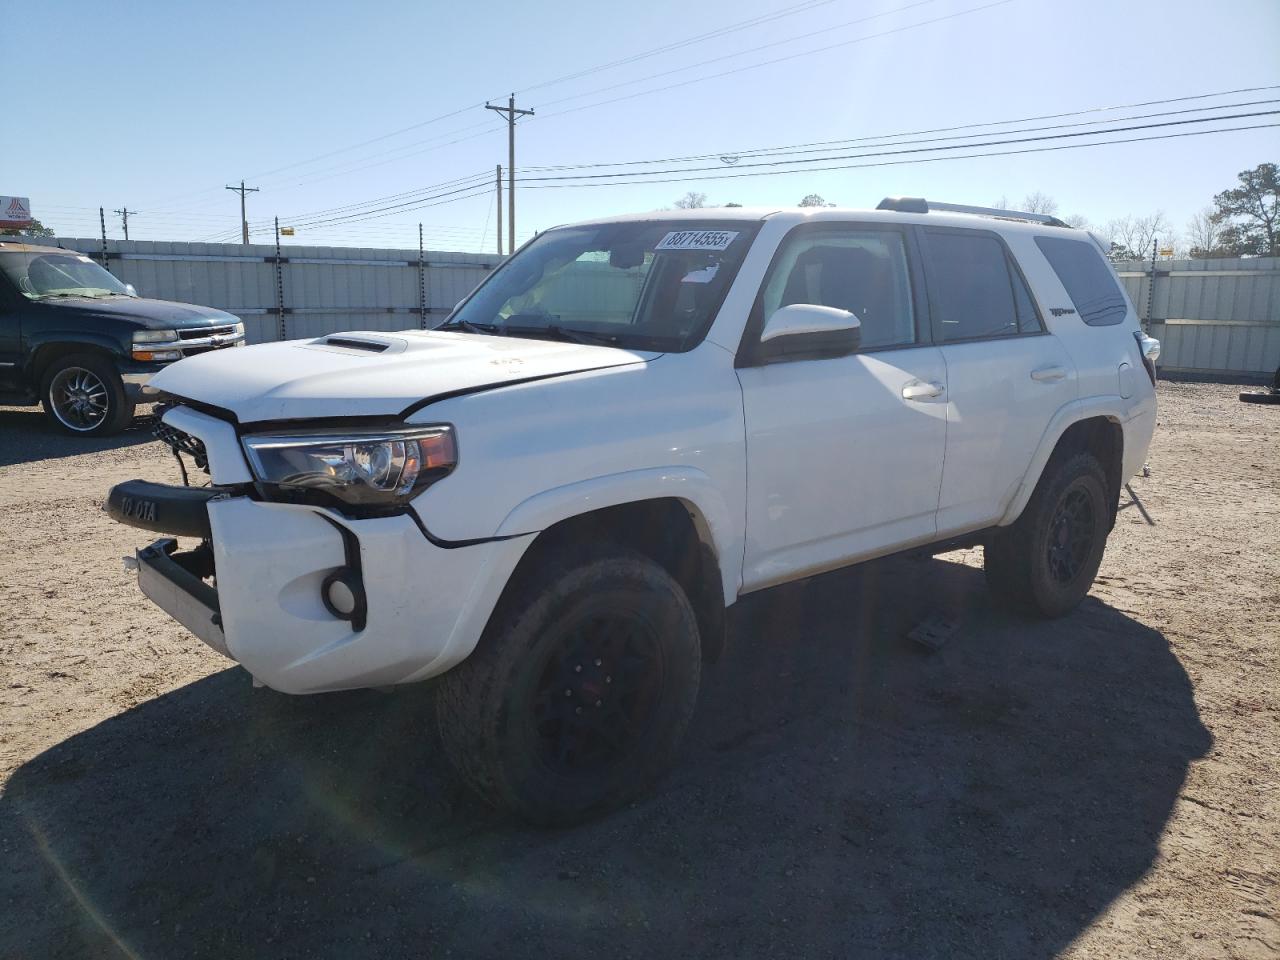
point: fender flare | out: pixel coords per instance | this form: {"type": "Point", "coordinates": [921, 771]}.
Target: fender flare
{"type": "Point", "coordinates": [1086, 408]}
{"type": "Point", "coordinates": [711, 516]}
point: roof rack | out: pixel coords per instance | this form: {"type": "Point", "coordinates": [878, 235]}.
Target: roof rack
{"type": "Point", "coordinates": [921, 205]}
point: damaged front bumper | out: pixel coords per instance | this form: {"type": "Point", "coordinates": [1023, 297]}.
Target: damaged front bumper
{"type": "Point", "coordinates": [175, 582]}
{"type": "Point", "coordinates": [269, 582]}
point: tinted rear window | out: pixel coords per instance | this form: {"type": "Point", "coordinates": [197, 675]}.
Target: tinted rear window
{"type": "Point", "coordinates": [1089, 281]}
{"type": "Point", "coordinates": [972, 292]}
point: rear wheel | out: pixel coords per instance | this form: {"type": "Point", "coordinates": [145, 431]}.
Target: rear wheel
{"type": "Point", "coordinates": [83, 394]}
{"type": "Point", "coordinates": [1045, 563]}
{"type": "Point", "coordinates": [579, 693]}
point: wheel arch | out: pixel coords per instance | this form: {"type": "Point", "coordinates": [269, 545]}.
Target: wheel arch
{"type": "Point", "coordinates": [668, 515]}
{"type": "Point", "coordinates": [1082, 426]}
{"type": "Point", "coordinates": [46, 354]}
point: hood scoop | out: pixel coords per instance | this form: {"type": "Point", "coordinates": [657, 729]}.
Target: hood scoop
{"type": "Point", "coordinates": [351, 343]}
{"type": "Point", "coordinates": [360, 343]}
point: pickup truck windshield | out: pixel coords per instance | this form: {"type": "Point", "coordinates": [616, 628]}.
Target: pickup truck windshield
{"type": "Point", "coordinates": [650, 285]}
{"type": "Point", "coordinates": [46, 275]}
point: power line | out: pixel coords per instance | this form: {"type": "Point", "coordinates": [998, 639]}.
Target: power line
{"type": "Point", "coordinates": [792, 56]}
{"type": "Point", "coordinates": [820, 145]}
{"type": "Point", "coordinates": [689, 41]}
{"type": "Point", "coordinates": [894, 163]}
{"type": "Point", "coordinates": [743, 53]}
{"type": "Point", "coordinates": [988, 143]}
{"type": "Point", "coordinates": [721, 31]}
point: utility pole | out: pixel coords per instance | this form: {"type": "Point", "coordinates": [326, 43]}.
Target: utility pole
{"type": "Point", "coordinates": [244, 220]}
{"type": "Point", "coordinates": [511, 114]}
{"type": "Point", "coordinates": [498, 183]}
{"type": "Point", "coordinates": [124, 219]}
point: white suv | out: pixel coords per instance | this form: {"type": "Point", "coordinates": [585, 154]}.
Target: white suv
{"type": "Point", "coordinates": [550, 500]}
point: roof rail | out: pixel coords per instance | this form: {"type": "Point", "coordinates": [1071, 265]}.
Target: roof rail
{"type": "Point", "coordinates": [921, 205]}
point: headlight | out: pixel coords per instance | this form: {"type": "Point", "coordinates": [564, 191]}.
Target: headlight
{"type": "Point", "coordinates": [155, 336]}
{"type": "Point", "coordinates": [368, 468]}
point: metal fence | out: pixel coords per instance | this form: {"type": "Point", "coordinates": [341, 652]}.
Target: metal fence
{"type": "Point", "coordinates": [303, 292]}
{"type": "Point", "coordinates": [1215, 317]}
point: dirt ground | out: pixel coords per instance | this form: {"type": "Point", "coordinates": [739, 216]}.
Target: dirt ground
{"type": "Point", "coordinates": [1105, 786]}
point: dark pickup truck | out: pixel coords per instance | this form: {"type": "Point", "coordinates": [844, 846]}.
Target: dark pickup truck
{"type": "Point", "coordinates": [83, 344]}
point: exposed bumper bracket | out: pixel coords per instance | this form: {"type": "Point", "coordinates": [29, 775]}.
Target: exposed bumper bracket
{"type": "Point", "coordinates": [171, 581]}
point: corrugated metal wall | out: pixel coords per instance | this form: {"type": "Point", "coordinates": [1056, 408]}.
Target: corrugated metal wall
{"type": "Point", "coordinates": [1211, 316]}
{"type": "Point", "coordinates": [324, 289]}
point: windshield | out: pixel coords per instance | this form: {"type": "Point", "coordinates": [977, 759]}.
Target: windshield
{"type": "Point", "coordinates": [651, 285]}
{"type": "Point", "coordinates": [70, 274]}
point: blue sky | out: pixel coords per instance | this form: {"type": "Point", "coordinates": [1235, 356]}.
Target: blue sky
{"type": "Point", "coordinates": [157, 105]}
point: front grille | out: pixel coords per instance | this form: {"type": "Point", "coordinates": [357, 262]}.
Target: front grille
{"type": "Point", "coordinates": [180, 442]}
{"type": "Point", "coordinates": [200, 333]}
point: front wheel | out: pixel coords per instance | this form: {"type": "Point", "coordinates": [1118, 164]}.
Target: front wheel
{"type": "Point", "coordinates": [580, 690]}
{"type": "Point", "coordinates": [1044, 564]}
{"type": "Point", "coordinates": [83, 394]}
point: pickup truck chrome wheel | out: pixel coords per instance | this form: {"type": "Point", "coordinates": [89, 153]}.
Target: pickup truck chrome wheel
{"type": "Point", "coordinates": [79, 399]}
{"type": "Point", "coordinates": [83, 394]}
{"type": "Point", "coordinates": [580, 690]}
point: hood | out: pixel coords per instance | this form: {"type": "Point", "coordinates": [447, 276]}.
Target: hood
{"type": "Point", "coordinates": [368, 374]}
{"type": "Point", "coordinates": [152, 314]}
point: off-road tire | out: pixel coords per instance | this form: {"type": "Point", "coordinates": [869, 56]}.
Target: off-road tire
{"type": "Point", "coordinates": [492, 717]}
{"type": "Point", "coordinates": [1022, 570]}
{"type": "Point", "coordinates": [1272, 397]}
{"type": "Point", "coordinates": [118, 410]}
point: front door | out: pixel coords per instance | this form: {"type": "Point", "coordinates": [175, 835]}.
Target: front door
{"type": "Point", "coordinates": [844, 454]}
{"type": "Point", "coordinates": [10, 336]}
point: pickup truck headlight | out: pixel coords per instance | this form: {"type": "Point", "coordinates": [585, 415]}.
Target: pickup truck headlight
{"type": "Point", "coordinates": [145, 343]}
{"type": "Point", "coordinates": [365, 468]}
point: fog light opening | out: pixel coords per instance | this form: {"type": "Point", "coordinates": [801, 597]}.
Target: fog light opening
{"type": "Point", "coordinates": [342, 594]}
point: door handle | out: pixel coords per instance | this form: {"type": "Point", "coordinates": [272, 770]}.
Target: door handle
{"type": "Point", "coordinates": [1049, 374]}
{"type": "Point", "coordinates": [919, 390]}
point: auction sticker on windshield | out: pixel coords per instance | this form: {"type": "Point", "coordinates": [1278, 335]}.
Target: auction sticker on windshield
{"type": "Point", "coordinates": [697, 240]}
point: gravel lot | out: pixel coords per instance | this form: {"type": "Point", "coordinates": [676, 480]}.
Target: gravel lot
{"type": "Point", "coordinates": [1102, 786]}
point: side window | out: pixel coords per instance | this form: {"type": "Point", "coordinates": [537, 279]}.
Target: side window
{"type": "Point", "coordinates": [1028, 319]}
{"type": "Point", "coordinates": [1088, 280]}
{"type": "Point", "coordinates": [973, 293]}
{"type": "Point", "coordinates": [862, 271]}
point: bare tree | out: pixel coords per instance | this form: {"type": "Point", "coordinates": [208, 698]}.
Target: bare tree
{"type": "Point", "coordinates": [1077, 220]}
{"type": "Point", "coordinates": [692, 201]}
{"type": "Point", "coordinates": [815, 200]}
{"type": "Point", "coordinates": [1040, 203]}
{"type": "Point", "coordinates": [1131, 237]}
{"type": "Point", "coordinates": [1204, 234]}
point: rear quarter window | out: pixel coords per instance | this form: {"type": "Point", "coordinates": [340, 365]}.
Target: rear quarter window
{"type": "Point", "coordinates": [1088, 280]}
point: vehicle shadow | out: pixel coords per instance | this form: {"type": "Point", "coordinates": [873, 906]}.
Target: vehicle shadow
{"type": "Point", "coordinates": [26, 435]}
{"type": "Point", "coordinates": [844, 794]}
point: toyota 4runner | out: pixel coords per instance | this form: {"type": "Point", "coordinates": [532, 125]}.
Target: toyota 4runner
{"type": "Point", "coordinates": [550, 500]}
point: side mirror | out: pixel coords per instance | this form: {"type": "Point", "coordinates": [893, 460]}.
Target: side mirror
{"type": "Point", "coordinates": [807, 330]}
{"type": "Point", "coordinates": [130, 289]}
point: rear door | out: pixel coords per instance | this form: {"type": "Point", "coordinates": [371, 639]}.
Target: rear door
{"type": "Point", "coordinates": [844, 453]}
{"type": "Point", "coordinates": [1006, 374]}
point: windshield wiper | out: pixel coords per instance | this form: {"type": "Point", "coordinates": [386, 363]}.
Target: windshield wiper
{"type": "Point", "coordinates": [469, 327]}
{"type": "Point", "coordinates": [567, 334]}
